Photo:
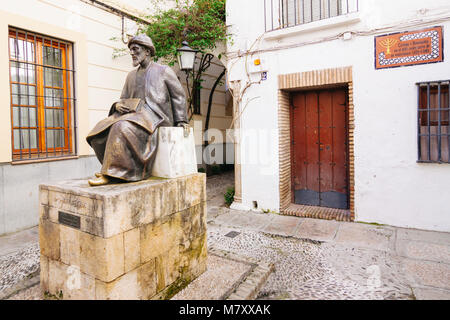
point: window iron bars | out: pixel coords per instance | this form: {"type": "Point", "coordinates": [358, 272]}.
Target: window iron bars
{"type": "Point", "coordinates": [280, 14]}
{"type": "Point", "coordinates": [31, 91]}
{"type": "Point", "coordinates": [433, 122]}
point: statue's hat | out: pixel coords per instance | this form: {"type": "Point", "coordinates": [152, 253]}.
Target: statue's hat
{"type": "Point", "coordinates": [143, 40]}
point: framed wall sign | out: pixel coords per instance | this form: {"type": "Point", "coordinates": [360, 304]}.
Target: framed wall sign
{"type": "Point", "coordinates": [264, 76]}
{"type": "Point", "coordinates": [409, 48]}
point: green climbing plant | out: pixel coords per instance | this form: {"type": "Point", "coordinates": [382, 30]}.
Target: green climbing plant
{"type": "Point", "coordinates": [229, 196]}
{"type": "Point", "coordinates": [199, 22]}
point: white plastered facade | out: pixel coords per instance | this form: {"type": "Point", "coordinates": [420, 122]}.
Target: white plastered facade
{"type": "Point", "coordinates": [391, 187]}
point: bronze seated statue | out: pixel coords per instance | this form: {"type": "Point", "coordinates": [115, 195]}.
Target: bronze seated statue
{"type": "Point", "coordinates": [125, 143]}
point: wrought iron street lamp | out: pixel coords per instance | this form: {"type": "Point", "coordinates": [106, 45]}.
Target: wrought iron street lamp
{"type": "Point", "coordinates": [186, 57]}
{"type": "Point", "coordinates": [186, 61]}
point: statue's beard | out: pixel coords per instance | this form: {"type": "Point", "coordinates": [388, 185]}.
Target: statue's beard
{"type": "Point", "coordinates": [140, 60]}
{"type": "Point", "coordinates": [136, 62]}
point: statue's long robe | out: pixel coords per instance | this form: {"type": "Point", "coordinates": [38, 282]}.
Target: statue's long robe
{"type": "Point", "coordinates": [126, 144]}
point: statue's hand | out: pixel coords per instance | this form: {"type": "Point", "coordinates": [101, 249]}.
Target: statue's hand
{"type": "Point", "coordinates": [122, 108]}
{"type": "Point", "coordinates": [185, 127]}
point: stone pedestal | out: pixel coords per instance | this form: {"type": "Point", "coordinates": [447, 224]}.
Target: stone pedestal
{"type": "Point", "coordinates": [144, 240]}
{"type": "Point", "coordinates": [175, 156]}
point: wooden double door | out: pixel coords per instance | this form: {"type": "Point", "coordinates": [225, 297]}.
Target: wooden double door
{"type": "Point", "coordinates": [320, 148]}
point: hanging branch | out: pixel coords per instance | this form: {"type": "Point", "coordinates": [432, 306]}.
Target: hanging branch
{"type": "Point", "coordinates": [211, 94]}
{"type": "Point", "coordinates": [204, 64]}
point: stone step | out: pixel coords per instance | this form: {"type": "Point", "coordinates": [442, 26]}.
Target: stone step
{"type": "Point", "coordinates": [228, 277]}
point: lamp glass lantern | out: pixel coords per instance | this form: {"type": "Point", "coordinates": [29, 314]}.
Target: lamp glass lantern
{"type": "Point", "coordinates": [186, 57]}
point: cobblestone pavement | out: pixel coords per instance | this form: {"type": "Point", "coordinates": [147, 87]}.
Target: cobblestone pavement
{"type": "Point", "coordinates": [314, 259]}
{"type": "Point", "coordinates": [313, 270]}
{"type": "Point", "coordinates": [17, 266]}
{"type": "Point", "coordinates": [318, 259]}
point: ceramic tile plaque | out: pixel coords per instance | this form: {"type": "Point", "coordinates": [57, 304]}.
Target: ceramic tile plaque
{"type": "Point", "coordinates": [409, 48]}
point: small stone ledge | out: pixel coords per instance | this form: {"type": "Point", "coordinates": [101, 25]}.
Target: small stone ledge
{"type": "Point", "coordinates": [249, 289]}
{"type": "Point", "coordinates": [251, 282]}
{"type": "Point", "coordinates": [30, 281]}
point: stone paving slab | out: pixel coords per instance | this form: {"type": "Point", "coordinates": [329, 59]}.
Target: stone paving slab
{"type": "Point", "coordinates": [319, 230]}
{"type": "Point", "coordinates": [244, 219]}
{"type": "Point", "coordinates": [366, 236]}
{"type": "Point", "coordinates": [251, 220]}
{"type": "Point", "coordinates": [425, 273]}
{"type": "Point", "coordinates": [227, 217]}
{"type": "Point", "coordinates": [283, 225]}
{"type": "Point", "coordinates": [424, 236]}
{"type": "Point", "coordinates": [423, 251]}
{"type": "Point", "coordinates": [14, 242]}
{"type": "Point", "coordinates": [431, 294]}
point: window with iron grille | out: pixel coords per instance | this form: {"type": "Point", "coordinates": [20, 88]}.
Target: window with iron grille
{"type": "Point", "coordinates": [42, 96]}
{"type": "Point", "coordinates": [288, 13]}
{"type": "Point", "coordinates": [433, 122]}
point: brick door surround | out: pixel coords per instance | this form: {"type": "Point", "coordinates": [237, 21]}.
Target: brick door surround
{"type": "Point", "coordinates": [312, 80]}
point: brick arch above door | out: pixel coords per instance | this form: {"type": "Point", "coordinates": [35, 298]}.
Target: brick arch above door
{"type": "Point", "coordinates": [303, 81]}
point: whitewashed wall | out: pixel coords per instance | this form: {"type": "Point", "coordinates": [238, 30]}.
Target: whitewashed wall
{"type": "Point", "coordinates": [391, 187]}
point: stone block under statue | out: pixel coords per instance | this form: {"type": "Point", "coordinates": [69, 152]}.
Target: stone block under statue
{"type": "Point", "coordinates": [142, 240]}
{"type": "Point", "coordinates": [175, 156]}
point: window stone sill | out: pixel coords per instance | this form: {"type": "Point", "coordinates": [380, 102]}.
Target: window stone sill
{"type": "Point", "coordinates": [38, 160]}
